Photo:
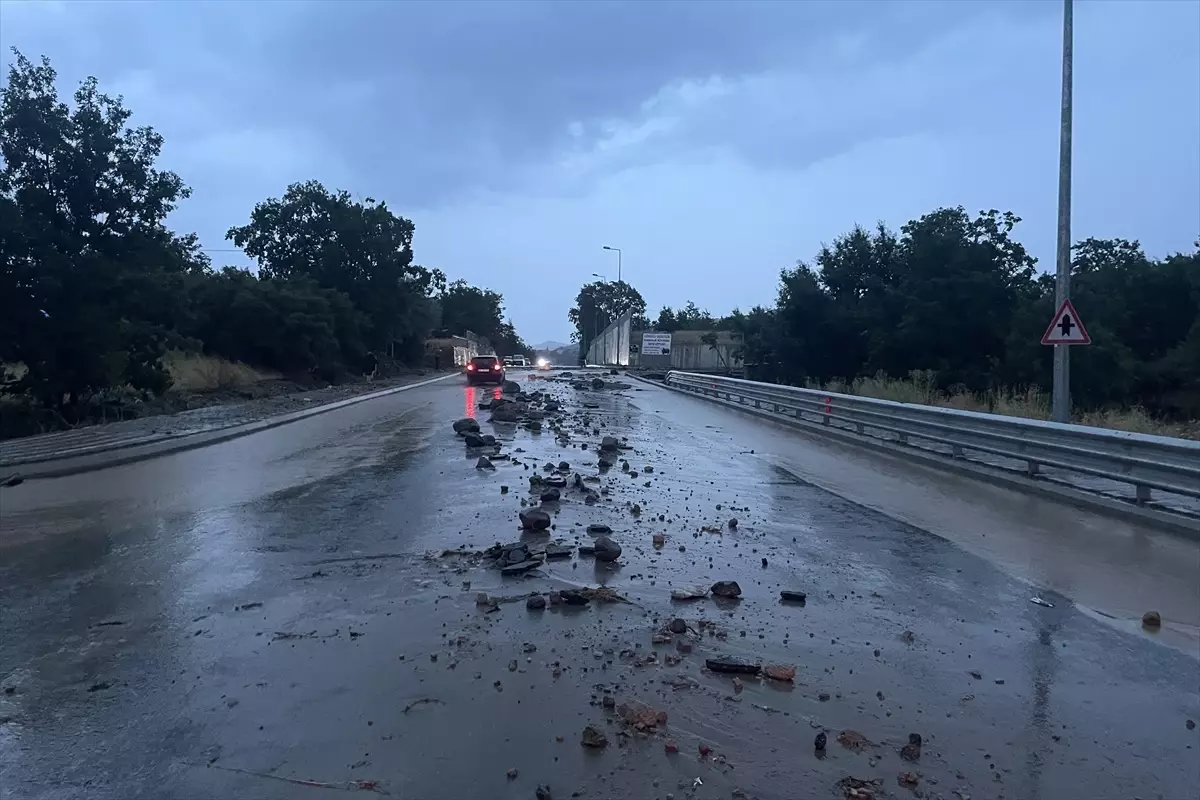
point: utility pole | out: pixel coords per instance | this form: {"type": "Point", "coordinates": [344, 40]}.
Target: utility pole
{"type": "Point", "coordinates": [1061, 402]}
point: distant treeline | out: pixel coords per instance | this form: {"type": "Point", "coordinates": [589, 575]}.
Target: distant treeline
{"type": "Point", "coordinates": [959, 296]}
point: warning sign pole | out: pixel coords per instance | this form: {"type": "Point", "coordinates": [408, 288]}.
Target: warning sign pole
{"type": "Point", "coordinates": [1060, 410]}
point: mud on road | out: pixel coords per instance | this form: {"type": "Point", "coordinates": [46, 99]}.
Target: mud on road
{"type": "Point", "coordinates": [355, 632]}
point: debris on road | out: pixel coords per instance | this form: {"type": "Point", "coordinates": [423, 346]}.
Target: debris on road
{"type": "Point", "coordinates": [908, 780]}
{"type": "Point", "coordinates": [912, 750]}
{"type": "Point", "coordinates": [641, 716]}
{"type": "Point", "coordinates": [731, 665]}
{"type": "Point", "coordinates": [780, 672]}
{"type": "Point", "coordinates": [1039, 601]}
{"type": "Point", "coordinates": [593, 737]}
{"type": "Point", "coordinates": [347, 786]}
{"type": "Point", "coordinates": [692, 593]}
{"type": "Point", "coordinates": [858, 788]}
{"type": "Point", "coordinates": [727, 589]}
{"type": "Point", "coordinates": [466, 425]}
{"type": "Point", "coordinates": [534, 519]}
{"type": "Point", "coordinates": [820, 741]}
{"type": "Point", "coordinates": [789, 596]}
{"type": "Point", "coordinates": [1151, 619]}
{"type": "Point", "coordinates": [606, 549]}
{"type": "Point", "coordinates": [420, 701]}
{"type": "Point", "coordinates": [853, 740]}
{"type": "Point", "coordinates": [484, 463]}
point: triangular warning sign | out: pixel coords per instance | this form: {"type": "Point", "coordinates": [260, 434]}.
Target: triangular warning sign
{"type": "Point", "coordinates": [1066, 327]}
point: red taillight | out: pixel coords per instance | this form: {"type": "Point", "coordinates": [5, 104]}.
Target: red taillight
{"type": "Point", "coordinates": [470, 367]}
{"type": "Point", "coordinates": [497, 368]}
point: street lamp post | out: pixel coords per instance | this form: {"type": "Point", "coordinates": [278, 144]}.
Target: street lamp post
{"type": "Point", "coordinates": [618, 251]}
{"type": "Point", "coordinates": [1060, 409]}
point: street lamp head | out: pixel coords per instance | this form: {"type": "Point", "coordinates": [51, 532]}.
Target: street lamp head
{"type": "Point", "coordinates": [606, 247]}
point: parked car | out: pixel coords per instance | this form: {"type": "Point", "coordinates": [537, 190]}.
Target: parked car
{"type": "Point", "coordinates": [485, 369]}
{"type": "Point", "coordinates": [519, 362]}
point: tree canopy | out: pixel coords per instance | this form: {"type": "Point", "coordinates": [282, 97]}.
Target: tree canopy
{"type": "Point", "coordinates": [95, 288]}
{"type": "Point", "coordinates": [599, 304]}
{"type": "Point", "coordinates": [959, 296]}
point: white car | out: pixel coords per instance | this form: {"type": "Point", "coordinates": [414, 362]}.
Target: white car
{"type": "Point", "coordinates": [518, 362]}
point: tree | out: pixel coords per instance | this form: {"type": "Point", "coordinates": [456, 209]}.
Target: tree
{"type": "Point", "coordinates": [90, 277]}
{"type": "Point", "coordinates": [360, 249]}
{"type": "Point", "coordinates": [599, 304]}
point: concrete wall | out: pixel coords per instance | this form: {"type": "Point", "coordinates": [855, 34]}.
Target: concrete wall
{"type": "Point", "coordinates": [689, 352]}
{"type": "Point", "coordinates": [611, 348]}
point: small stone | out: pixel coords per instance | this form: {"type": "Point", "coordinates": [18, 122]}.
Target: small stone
{"type": "Point", "coordinates": [659, 539]}
{"type": "Point", "coordinates": [482, 599]}
{"type": "Point", "coordinates": [1151, 619]}
{"type": "Point", "coordinates": [790, 596]}
{"type": "Point", "coordinates": [512, 665]}
{"type": "Point", "coordinates": [484, 463]}
{"type": "Point", "coordinates": [542, 793]}
{"type": "Point", "coordinates": [683, 645]}
{"type": "Point", "coordinates": [535, 602]}
{"type": "Point", "coordinates": [678, 625]}
{"type": "Point", "coordinates": [593, 737]}
{"type": "Point", "coordinates": [738, 686]}
{"type": "Point", "coordinates": [606, 549]}
{"type": "Point", "coordinates": [908, 780]}
{"type": "Point", "coordinates": [535, 519]}
{"type": "Point", "coordinates": [466, 425]}
{"type": "Point", "coordinates": [512, 774]}
{"type": "Point", "coordinates": [597, 529]}
{"type": "Point", "coordinates": [727, 589]}
{"type": "Point", "coordinates": [503, 490]}
{"type": "Point", "coordinates": [728, 664]}
{"type": "Point", "coordinates": [780, 672]}
{"type": "Point", "coordinates": [733, 523]}
{"type": "Point", "coordinates": [1190, 725]}
{"type": "Point", "coordinates": [551, 496]}
{"type": "Point", "coordinates": [609, 701]}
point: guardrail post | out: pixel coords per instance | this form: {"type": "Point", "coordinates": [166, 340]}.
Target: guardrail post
{"type": "Point", "coordinates": [1143, 494]}
{"type": "Point", "coordinates": [1031, 468]}
{"type": "Point", "coordinates": [956, 451]}
{"type": "Point", "coordinates": [828, 410]}
{"type": "Point", "coordinates": [902, 438]}
{"type": "Point", "coordinates": [858, 426]}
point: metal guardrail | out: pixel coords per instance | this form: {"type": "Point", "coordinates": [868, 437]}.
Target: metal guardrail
{"type": "Point", "coordinates": [1143, 462]}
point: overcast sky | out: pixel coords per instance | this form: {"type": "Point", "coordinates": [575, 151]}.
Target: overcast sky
{"type": "Point", "coordinates": [713, 142]}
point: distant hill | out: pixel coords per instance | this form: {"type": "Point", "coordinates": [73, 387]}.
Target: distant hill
{"type": "Point", "coordinates": [550, 345]}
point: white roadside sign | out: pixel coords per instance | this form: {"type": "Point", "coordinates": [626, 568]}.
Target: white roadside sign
{"type": "Point", "coordinates": [656, 344]}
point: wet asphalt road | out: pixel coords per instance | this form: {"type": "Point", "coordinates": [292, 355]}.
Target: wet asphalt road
{"type": "Point", "coordinates": [209, 623]}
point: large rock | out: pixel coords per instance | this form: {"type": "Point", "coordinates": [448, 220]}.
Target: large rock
{"type": "Point", "coordinates": [597, 383]}
{"type": "Point", "coordinates": [520, 567]}
{"type": "Point", "coordinates": [511, 387]}
{"type": "Point", "coordinates": [474, 440]}
{"type": "Point", "coordinates": [727, 589]}
{"type": "Point", "coordinates": [509, 412]}
{"type": "Point", "coordinates": [606, 549]}
{"type": "Point", "coordinates": [551, 496]}
{"type": "Point", "coordinates": [466, 424]}
{"type": "Point", "coordinates": [608, 444]}
{"type": "Point", "coordinates": [535, 519]}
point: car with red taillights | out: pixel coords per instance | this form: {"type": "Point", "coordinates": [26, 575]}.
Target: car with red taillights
{"type": "Point", "coordinates": [485, 369]}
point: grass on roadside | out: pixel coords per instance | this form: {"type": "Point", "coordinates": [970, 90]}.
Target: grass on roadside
{"type": "Point", "coordinates": [1030, 402]}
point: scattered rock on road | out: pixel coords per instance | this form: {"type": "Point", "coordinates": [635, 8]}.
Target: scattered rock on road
{"type": "Point", "coordinates": [727, 589]}
{"type": "Point", "coordinates": [780, 672]}
{"type": "Point", "coordinates": [465, 425]}
{"type": "Point", "coordinates": [593, 737]}
{"type": "Point", "coordinates": [908, 780]}
{"type": "Point", "coordinates": [1151, 619]}
{"type": "Point", "coordinates": [606, 549]}
{"type": "Point", "coordinates": [511, 387]}
{"type": "Point", "coordinates": [610, 444]}
{"type": "Point", "coordinates": [557, 551]}
{"type": "Point", "coordinates": [484, 463]}
{"type": "Point", "coordinates": [509, 412]}
{"type": "Point", "coordinates": [820, 742]}
{"type": "Point", "coordinates": [596, 529]}
{"type": "Point", "coordinates": [474, 440]}
{"type": "Point", "coordinates": [731, 665]}
{"type": "Point", "coordinates": [535, 602]}
{"type": "Point", "coordinates": [912, 750]}
{"type": "Point", "coordinates": [789, 596]}
{"type": "Point", "coordinates": [551, 495]}
{"type": "Point", "coordinates": [535, 519]}
{"type": "Point", "coordinates": [733, 523]}
{"type": "Point", "coordinates": [689, 593]}
{"type": "Point", "coordinates": [853, 740]}
{"type": "Point", "coordinates": [677, 625]}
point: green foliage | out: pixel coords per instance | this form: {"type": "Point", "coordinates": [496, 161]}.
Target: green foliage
{"type": "Point", "coordinates": [94, 288]}
{"type": "Point", "coordinates": [360, 249]}
{"type": "Point", "coordinates": [957, 299]}
{"type": "Point", "coordinates": [89, 276]}
{"type": "Point", "coordinates": [481, 311]}
{"type": "Point", "coordinates": [599, 304]}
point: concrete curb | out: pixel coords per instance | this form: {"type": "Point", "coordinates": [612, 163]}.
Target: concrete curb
{"type": "Point", "coordinates": [89, 459]}
{"type": "Point", "coordinates": [1052, 491]}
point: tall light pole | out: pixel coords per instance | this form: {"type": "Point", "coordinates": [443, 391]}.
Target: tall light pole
{"type": "Point", "coordinates": [618, 250]}
{"type": "Point", "coordinates": [1060, 410]}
